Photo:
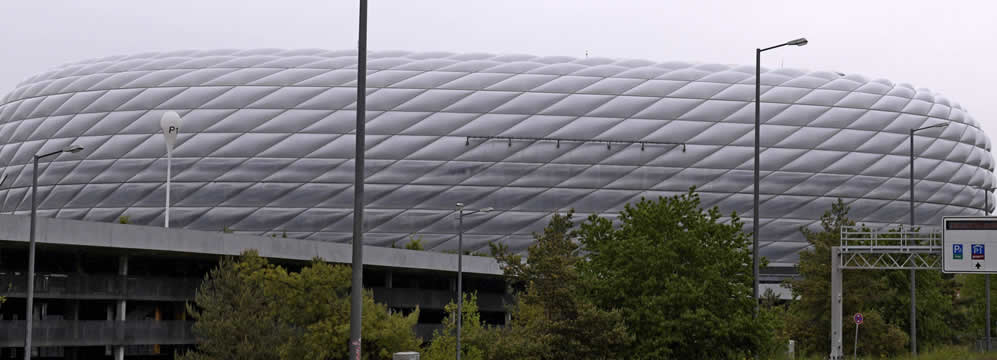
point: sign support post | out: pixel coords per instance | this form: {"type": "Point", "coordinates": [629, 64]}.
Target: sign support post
{"type": "Point", "coordinates": [989, 344]}
{"type": "Point", "coordinates": [171, 129]}
{"type": "Point", "coordinates": [836, 336]}
{"type": "Point", "coordinates": [855, 350]}
{"type": "Point", "coordinates": [858, 321]}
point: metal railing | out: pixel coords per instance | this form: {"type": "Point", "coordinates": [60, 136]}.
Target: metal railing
{"type": "Point", "coordinates": [898, 238]}
{"type": "Point", "coordinates": [891, 247]}
{"type": "Point", "coordinates": [101, 286]}
{"type": "Point", "coordinates": [97, 332]}
{"type": "Point", "coordinates": [436, 299]}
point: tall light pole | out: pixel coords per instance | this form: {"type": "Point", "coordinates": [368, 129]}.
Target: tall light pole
{"type": "Point", "coordinates": [913, 277]}
{"type": "Point", "coordinates": [460, 266]}
{"type": "Point", "coordinates": [356, 288]}
{"type": "Point", "coordinates": [758, 128]}
{"type": "Point", "coordinates": [986, 277]}
{"type": "Point", "coordinates": [171, 129]}
{"type": "Point", "coordinates": [31, 245]}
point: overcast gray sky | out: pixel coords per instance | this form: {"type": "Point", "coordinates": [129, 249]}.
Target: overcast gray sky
{"type": "Point", "coordinates": [946, 46]}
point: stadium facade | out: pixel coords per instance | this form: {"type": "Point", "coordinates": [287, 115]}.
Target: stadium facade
{"type": "Point", "coordinates": [266, 144]}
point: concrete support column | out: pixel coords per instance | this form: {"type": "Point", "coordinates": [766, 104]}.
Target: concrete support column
{"type": "Point", "coordinates": [388, 279]}
{"type": "Point", "coordinates": [836, 350]}
{"type": "Point", "coordinates": [73, 314]}
{"type": "Point", "coordinates": [72, 352]}
{"type": "Point", "coordinates": [108, 349]}
{"type": "Point", "coordinates": [119, 350]}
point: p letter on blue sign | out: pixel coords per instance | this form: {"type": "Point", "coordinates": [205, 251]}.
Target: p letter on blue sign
{"type": "Point", "coordinates": [978, 252]}
{"type": "Point", "coordinates": [957, 251]}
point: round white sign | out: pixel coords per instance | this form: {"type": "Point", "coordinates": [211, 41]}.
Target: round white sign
{"type": "Point", "coordinates": [171, 128]}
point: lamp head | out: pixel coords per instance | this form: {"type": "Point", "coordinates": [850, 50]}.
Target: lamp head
{"type": "Point", "coordinates": [797, 42]}
{"type": "Point", "coordinates": [460, 206]}
{"type": "Point", "coordinates": [72, 148]}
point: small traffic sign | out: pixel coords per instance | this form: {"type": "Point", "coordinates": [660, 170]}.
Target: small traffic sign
{"type": "Point", "coordinates": [858, 318]}
{"type": "Point", "coordinates": [956, 251]}
{"type": "Point", "coordinates": [979, 252]}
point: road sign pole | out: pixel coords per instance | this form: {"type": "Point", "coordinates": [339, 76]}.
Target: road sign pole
{"type": "Point", "coordinates": [855, 350]}
{"type": "Point", "coordinates": [986, 209]}
{"type": "Point", "coordinates": [858, 318]}
{"type": "Point", "coordinates": [836, 335]}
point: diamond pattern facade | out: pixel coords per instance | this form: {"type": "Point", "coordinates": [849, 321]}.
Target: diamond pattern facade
{"type": "Point", "coordinates": [267, 142]}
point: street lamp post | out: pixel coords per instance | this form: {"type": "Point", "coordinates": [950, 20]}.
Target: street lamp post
{"type": "Point", "coordinates": [986, 211]}
{"type": "Point", "coordinates": [758, 128]}
{"type": "Point", "coordinates": [31, 245]}
{"type": "Point", "coordinates": [460, 266]}
{"type": "Point", "coordinates": [356, 283]}
{"type": "Point", "coordinates": [913, 277]}
{"type": "Point", "coordinates": [986, 277]}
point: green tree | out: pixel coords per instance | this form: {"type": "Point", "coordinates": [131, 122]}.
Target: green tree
{"type": "Point", "coordinates": [475, 337]}
{"type": "Point", "coordinates": [234, 312]}
{"type": "Point", "coordinates": [969, 316]}
{"type": "Point", "coordinates": [681, 276]}
{"type": "Point", "coordinates": [553, 318]}
{"type": "Point", "coordinates": [317, 302]}
{"type": "Point", "coordinates": [250, 309]}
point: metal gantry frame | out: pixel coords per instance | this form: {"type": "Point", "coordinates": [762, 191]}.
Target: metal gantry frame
{"type": "Point", "coordinates": [900, 247]}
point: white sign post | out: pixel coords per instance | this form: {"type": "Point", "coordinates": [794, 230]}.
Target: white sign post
{"type": "Point", "coordinates": [171, 129]}
{"type": "Point", "coordinates": [969, 244]}
{"type": "Point", "coordinates": [858, 321]}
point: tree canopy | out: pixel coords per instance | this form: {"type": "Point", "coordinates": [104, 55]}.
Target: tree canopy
{"type": "Point", "coordinates": [680, 275]}
{"type": "Point", "coordinates": [554, 318]}
{"type": "Point", "coordinates": [248, 308]}
{"type": "Point", "coordinates": [667, 280]}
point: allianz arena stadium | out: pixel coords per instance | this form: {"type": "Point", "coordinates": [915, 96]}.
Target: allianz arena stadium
{"type": "Point", "coordinates": [267, 143]}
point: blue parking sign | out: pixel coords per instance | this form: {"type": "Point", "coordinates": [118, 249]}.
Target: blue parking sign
{"type": "Point", "coordinates": [957, 251]}
{"type": "Point", "coordinates": [978, 252]}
